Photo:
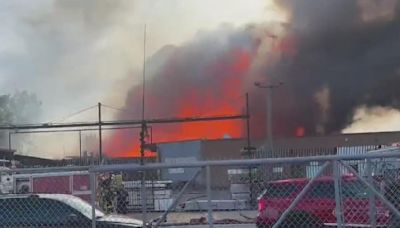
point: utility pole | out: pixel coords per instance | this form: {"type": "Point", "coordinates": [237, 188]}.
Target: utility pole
{"type": "Point", "coordinates": [249, 149]}
{"type": "Point", "coordinates": [143, 125]}
{"type": "Point", "coordinates": [269, 120]}
{"type": "Point", "coordinates": [142, 137]}
{"type": "Point", "coordinates": [248, 125]}
{"type": "Point", "coordinates": [269, 127]}
{"type": "Point", "coordinates": [80, 147]}
{"type": "Point", "coordinates": [142, 142]}
{"type": "Point", "coordinates": [9, 141]}
{"type": "Point", "coordinates": [100, 137]}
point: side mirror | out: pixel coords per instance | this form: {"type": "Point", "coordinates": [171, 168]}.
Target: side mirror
{"type": "Point", "coordinates": [77, 220]}
{"type": "Point", "coordinates": [73, 218]}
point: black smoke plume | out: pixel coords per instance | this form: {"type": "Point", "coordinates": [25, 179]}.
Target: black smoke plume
{"type": "Point", "coordinates": [333, 56]}
{"type": "Point", "coordinates": [351, 49]}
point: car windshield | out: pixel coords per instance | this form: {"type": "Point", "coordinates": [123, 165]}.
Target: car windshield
{"type": "Point", "coordinates": [279, 190]}
{"type": "Point", "coordinates": [83, 207]}
{"type": "Point", "coordinates": [356, 189]}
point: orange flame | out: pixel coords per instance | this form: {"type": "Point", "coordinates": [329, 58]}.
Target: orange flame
{"type": "Point", "coordinates": [232, 68]}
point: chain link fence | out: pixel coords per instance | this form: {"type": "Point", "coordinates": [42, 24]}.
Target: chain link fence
{"type": "Point", "coordinates": [358, 190]}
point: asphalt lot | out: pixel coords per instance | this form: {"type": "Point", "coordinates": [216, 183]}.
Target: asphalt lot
{"type": "Point", "coordinates": [216, 226]}
{"type": "Point", "coordinates": [185, 217]}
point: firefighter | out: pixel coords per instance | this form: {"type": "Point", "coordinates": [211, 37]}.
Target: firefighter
{"type": "Point", "coordinates": [122, 202]}
{"type": "Point", "coordinates": [107, 193]}
{"type": "Point", "coordinates": [122, 197]}
{"type": "Point", "coordinates": [122, 194]}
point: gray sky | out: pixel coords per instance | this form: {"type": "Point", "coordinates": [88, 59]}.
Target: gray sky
{"type": "Point", "coordinates": [74, 53]}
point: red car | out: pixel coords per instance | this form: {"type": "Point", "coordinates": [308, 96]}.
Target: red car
{"type": "Point", "coordinates": [317, 208]}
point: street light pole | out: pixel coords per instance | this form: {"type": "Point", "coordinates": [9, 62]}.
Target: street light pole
{"type": "Point", "coordinates": [269, 120]}
{"type": "Point", "coordinates": [269, 127]}
{"type": "Point", "coordinates": [80, 148]}
{"type": "Point", "coordinates": [100, 137]}
{"type": "Point", "coordinates": [9, 141]}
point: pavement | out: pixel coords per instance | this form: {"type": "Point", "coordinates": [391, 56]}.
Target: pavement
{"type": "Point", "coordinates": [229, 217]}
{"type": "Point", "coordinates": [216, 226]}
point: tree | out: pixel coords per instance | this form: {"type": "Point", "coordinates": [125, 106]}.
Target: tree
{"type": "Point", "coordinates": [20, 107]}
{"type": "Point", "coordinates": [5, 113]}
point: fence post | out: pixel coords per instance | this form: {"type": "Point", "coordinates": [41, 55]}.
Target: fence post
{"type": "Point", "coordinates": [371, 196]}
{"type": "Point", "coordinates": [143, 196]}
{"type": "Point", "coordinates": [209, 203]}
{"type": "Point", "coordinates": [338, 201]}
{"type": "Point", "coordinates": [93, 196]}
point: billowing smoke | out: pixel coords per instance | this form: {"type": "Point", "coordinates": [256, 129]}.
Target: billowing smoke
{"type": "Point", "coordinates": [333, 57]}
{"type": "Point", "coordinates": [350, 48]}
{"type": "Point", "coordinates": [202, 77]}
{"type": "Point", "coordinates": [56, 48]}
{"type": "Point", "coordinates": [73, 54]}
{"type": "Point", "coordinates": [374, 119]}
{"type": "Point", "coordinates": [62, 50]}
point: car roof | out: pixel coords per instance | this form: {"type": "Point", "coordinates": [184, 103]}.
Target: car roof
{"type": "Point", "coordinates": [59, 197]}
{"type": "Point", "coordinates": [306, 180]}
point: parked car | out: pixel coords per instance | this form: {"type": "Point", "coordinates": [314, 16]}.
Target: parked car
{"type": "Point", "coordinates": [317, 208]}
{"type": "Point", "coordinates": [55, 210]}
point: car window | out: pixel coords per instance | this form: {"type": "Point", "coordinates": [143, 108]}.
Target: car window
{"type": "Point", "coordinates": [12, 212]}
{"type": "Point", "coordinates": [354, 189]}
{"type": "Point", "coordinates": [31, 210]}
{"type": "Point", "coordinates": [322, 190]}
{"type": "Point", "coordinates": [280, 190]}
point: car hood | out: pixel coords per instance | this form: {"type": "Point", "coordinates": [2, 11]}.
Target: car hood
{"type": "Point", "coordinates": [122, 220]}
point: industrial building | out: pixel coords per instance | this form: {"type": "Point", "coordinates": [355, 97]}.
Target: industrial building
{"type": "Point", "coordinates": [196, 150]}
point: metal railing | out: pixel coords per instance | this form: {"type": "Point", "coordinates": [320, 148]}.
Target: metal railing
{"type": "Point", "coordinates": [357, 190]}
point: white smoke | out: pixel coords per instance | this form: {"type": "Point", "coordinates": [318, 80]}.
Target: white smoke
{"type": "Point", "coordinates": [374, 119]}
{"type": "Point", "coordinates": [73, 54]}
{"type": "Point", "coordinates": [61, 49]}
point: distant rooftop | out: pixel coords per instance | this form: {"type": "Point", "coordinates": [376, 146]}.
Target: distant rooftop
{"type": "Point", "coordinates": [5, 150]}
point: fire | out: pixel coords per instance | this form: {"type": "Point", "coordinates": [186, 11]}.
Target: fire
{"type": "Point", "coordinates": [300, 131]}
{"type": "Point", "coordinates": [205, 78]}
{"type": "Point", "coordinates": [227, 73]}
{"type": "Point", "coordinates": [202, 78]}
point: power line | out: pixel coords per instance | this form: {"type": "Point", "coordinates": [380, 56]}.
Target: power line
{"type": "Point", "coordinates": [73, 114]}
{"type": "Point", "coordinates": [75, 130]}
{"type": "Point", "coordinates": [121, 122]}
{"type": "Point", "coordinates": [118, 109]}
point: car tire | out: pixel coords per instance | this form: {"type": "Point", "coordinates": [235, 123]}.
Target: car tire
{"type": "Point", "coordinates": [260, 225]}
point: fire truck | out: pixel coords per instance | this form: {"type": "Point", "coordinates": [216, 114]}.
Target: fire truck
{"type": "Point", "coordinates": [75, 183]}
